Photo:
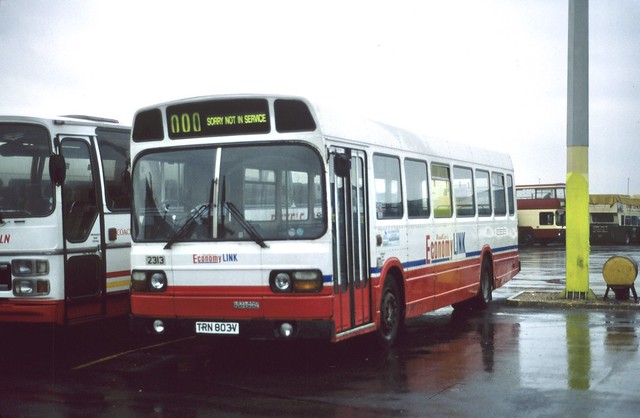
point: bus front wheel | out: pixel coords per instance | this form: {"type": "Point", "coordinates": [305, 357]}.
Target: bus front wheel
{"type": "Point", "coordinates": [390, 314]}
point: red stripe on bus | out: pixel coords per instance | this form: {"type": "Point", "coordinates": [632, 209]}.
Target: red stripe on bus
{"type": "Point", "coordinates": [121, 273]}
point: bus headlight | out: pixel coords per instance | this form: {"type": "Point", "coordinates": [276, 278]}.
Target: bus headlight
{"type": "Point", "coordinates": [158, 282]}
{"type": "Point", "coordinates": [29, 267]}
{"type": "Point", "coordinates": [281, 282]}
{"type": "Point", "coordinates": [296, 281]}
{"type": "Point", "coordinates": [145, 281]}
{"type": "Point", "coordinates": [30, 287]}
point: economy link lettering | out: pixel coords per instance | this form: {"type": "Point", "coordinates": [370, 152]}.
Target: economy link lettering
{"type": "Point", "coordinates": [443, 248]}
{"type": "Point", "coordinates": [214, 258]}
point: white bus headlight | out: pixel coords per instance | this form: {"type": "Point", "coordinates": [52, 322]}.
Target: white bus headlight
{"type": "Point", "coordinates": [30, 287]}
{"type": "Point", "coordinates": [281, 282]}
{"type": "Point", "coordinates": [158, 282]}
{"type": "Point", "coordinates": [29, 267]}
{"type": "Point", "coordinates": [145, 281]}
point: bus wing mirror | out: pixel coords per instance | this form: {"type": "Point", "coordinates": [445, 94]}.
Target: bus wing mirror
{"type": "Point", "coordinates": [57, 169]}
{"type": "Point", "coordinates": [341, 165]}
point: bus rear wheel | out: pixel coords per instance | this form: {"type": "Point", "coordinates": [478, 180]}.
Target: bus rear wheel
{"type": "Point", "coordinates": [484, 296]}
{"type": "Point", "coordinates": [528, 238]}
{"type": "Point", "coordinates": [390, 314]}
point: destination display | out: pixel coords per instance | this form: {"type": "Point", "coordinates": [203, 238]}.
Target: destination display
{"type": "Point", "coordinates": [218, 118]}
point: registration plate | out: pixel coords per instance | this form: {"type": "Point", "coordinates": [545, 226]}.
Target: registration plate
{"type": "Point", "coordinates": [217, 328]}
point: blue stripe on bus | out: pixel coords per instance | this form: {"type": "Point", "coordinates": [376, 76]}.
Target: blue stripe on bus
{"type": "Point", "coordinates": [423, 262]}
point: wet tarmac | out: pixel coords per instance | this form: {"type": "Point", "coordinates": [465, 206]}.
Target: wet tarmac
{"type": "Point", "coordinates": [506, 361]}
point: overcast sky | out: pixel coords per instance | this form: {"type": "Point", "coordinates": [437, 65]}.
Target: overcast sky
{"type": "Point", "coordinates": [487, 72]}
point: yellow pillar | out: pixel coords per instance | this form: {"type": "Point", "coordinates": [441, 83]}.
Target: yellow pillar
{"type": "Point", "coordinates": [577, 234]}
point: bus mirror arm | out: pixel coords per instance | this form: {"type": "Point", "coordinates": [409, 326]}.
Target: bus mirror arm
{"type": "Point", "coordinates": [57, 169]}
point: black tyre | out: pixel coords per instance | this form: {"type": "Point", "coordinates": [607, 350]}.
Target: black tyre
{"type": "Point", "coordinates": [391, 318]}
{"type": "Point", "coordinates": [483, 298]}
{"type": "Point", "coordinates": [485, 294]}
{"type": "Point", "coordinates": [529, 238]}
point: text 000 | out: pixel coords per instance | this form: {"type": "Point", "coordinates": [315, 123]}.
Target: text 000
{"type": "Point", "coordinates": [217, 328]}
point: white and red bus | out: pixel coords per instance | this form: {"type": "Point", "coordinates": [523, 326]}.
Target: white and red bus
{"type": "Point", "coordinates": [64, 219]}
{"type": "Point", "coordinates": [541, 213]}
{"type": "Point", "coordinates": [263, 217]}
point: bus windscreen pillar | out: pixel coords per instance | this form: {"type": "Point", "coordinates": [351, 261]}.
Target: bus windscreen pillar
{"type": "Point", "coordinates": [577, 234]}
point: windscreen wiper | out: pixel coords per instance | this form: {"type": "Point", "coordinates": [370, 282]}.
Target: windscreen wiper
{"type": "Point", "coordinates": [187, 227]}
{"type": "Point", "coordinates": [255, 235]}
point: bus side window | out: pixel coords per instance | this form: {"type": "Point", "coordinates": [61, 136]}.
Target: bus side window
{"type": "Point", "coordinates": [499, 202]}
{"type": "Point", "coordinates": [512, 206]}
{"type": "Point", "coordinates": [388, 188]}
{"type": "Point", "coordinates": [81, 213]}
{"type": "Point", "coordinates": [483, 190]}
{"type": "Point", "coordinates": [417, 188]}
{"type": "Point", "coordinates": [463, 191]}
{"type": "Point", "coordinates": [441, 191]}
{"type": "Point", "coordinates": [79, 193]}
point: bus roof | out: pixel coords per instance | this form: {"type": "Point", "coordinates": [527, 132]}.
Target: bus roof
{"type": "Point", "coordinates": [350, 128]}
{"type": "Point", "coordinates": [612, 199]}
{"type": "Point", "coordinates": [345, 127]}
{"type": "Point", "coordinates": [75, 120]}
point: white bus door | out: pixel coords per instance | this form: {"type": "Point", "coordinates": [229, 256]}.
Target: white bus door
{"type": "Point", "coordinates": [350, 241]}
{"type": "Point", "coordinates": [83, 265]}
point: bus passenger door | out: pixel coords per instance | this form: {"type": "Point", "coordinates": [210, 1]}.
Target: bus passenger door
{"type": "Point", "coordinates": [350, 240]}
{"type": "Point", "coordinates": [83, 277]}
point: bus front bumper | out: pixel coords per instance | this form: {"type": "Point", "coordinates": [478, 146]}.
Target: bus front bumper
{"type": "Point", "coordinates": [259, 329]}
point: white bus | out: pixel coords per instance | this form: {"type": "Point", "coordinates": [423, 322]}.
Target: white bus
{"type": "Point", "coordinates": [262, 217]}
{"type": "Point", "coordinates": [64, 219]}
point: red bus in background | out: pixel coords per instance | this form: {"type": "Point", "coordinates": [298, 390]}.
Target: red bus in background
{"type": "Point", "coordinates": [541, 213]}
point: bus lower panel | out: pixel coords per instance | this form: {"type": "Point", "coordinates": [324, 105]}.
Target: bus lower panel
{"type": "Point", "coordinates": [613, 234]}
{"type": "Point", "coordinates": [259, 329]}
{"type": "Point", "coordinates": [16, 311]}
{"type": "Point", "coordinates": [529, 235]}
{"type": "Point", "coordinates": [118, 304]}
